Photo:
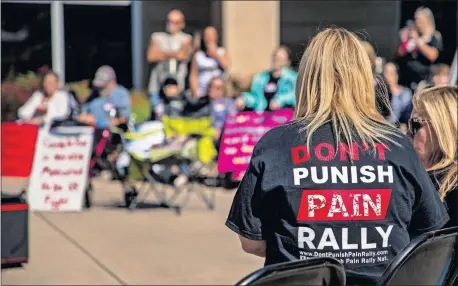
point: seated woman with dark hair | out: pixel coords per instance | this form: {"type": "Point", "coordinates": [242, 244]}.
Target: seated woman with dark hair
{"type": "Point", "coordinates": [47, 104]}
{"type": "Point", "coordinates": [273, 89]}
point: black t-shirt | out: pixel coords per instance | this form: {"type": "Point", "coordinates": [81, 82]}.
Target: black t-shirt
{"type": "Point", "coordinates": [451, 198]}
{"type": "Point", "coordinates": [417, 65]}
{"type": "Point", "coordinates": [271, 89]}
{"type": "Point", "coordinates": [318, 203]}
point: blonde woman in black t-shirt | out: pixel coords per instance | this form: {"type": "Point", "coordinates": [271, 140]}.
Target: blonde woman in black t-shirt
{"type": "Point", "coordinates": [339, 180]}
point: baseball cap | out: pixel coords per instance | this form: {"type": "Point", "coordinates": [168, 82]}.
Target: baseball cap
{"type": "Point", "coordinates": [103, 76]}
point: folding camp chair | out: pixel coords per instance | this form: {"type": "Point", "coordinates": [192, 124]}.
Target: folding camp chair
{"type": "Point", "coordinates": [151, 184]}
{"type": "Point", "coordinates": [197, 146]}
{"type": "Point", "coordinates": [313, 271]}
{"type": "Point", "coordinates": [430, 259]}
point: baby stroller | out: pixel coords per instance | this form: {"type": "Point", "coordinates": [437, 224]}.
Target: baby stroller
{"type": "Point", "coordinates": [186, 148]}
{"type": "Point", "coordinates": [108, 143]}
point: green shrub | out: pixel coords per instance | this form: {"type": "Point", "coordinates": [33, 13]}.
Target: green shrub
{"type": "Point", "coordinates": [15, 92]}
{"type": "Point", "coordinates": [141, 107]}
{"type": "Point", "coordinates": [81, 88]}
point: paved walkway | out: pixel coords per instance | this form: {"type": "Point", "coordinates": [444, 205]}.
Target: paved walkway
{"type": "Point", "coordinates": [108, 245]}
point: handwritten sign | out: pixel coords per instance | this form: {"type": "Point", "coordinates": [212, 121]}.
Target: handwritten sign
{"type": "Point", "coordinates": [60, 169]}
{"type": "Point", "coordinates": [241, 133]}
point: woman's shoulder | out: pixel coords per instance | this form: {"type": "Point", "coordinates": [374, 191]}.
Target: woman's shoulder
{"type": "Point", "coordinates": [278, 136]}
{"type": "Point", "coordinates": [62, 94]}
{"type": "Point", "coordinates": [406, 91]}
{"type": "Point", "coordinates": [401, 151]}
{"type": "Point", "coordinates": [290, 72]}
{"type": "Point", "coordinates": [37, 94]}
{"type": "Point", "coordinates": [262, 76]}
{"type": "Point", "coordinates": [436, 40]}
{"type": "Point", "coordinates": [437, 35]}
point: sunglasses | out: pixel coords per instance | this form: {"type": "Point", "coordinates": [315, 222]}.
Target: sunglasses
{"type": "Point", "coordinates": [415, 124]}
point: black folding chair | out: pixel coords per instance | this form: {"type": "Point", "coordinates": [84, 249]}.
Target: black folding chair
{"type": "Point", "coordinates": [313, 271]}
{"type": "Point", "coordinates": [430, 259]}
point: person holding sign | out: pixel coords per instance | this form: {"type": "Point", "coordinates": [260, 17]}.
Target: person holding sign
{"type": "Point", "coordinates": [339, 180]}
{"type": "Point", "coordinates": [47, 104]}
{"type": "Point", "coordinates": [274, 89]}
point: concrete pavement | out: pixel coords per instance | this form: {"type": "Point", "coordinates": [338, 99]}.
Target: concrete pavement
{"type": "Point", "coordinates": [108, 245]}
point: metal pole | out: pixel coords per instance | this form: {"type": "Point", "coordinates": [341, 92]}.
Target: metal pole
{"type": "Point", "coordinates": [137, 44]}
{"type": "Point", "coordinates": [57, 38]}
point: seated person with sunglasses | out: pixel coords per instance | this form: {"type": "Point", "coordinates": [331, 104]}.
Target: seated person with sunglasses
{"type": "Point", "coordinates": [433, 128]}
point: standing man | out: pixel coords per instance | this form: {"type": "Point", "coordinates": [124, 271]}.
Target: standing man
{"type": "Point", "coordinates": [170, 52]}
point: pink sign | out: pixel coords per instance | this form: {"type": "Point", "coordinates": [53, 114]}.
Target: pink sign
{"type": "Point", "coordinates": [241, 133]}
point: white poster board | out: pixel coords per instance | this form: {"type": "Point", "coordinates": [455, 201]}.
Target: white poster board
{"type": "Point", "coordinates": [60, 169]}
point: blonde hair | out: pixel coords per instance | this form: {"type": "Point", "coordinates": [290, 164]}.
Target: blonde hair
{"type": "Point", "coordinates": [439, 105]}
{"type": "Point", "coordinates": [335, 81]}
{"type": "Point", "coordinates": [227, 86]}
{"type": "Point", "coordinates": [428, 15]}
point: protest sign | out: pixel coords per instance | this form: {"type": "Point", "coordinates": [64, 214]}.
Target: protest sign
{"type": "Point", "coordinates": [18, 148]}
{"type": "Point", "coordinates": [60, 169]}
{"type": "Point", "coordinates": [241, 133]}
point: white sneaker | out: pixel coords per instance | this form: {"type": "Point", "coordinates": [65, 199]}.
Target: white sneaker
{"type": "Point", "coordinates": [180, 181]}
{"type": "Point", "coordinates": [106, 175]}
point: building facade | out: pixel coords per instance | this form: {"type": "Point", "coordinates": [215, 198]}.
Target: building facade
{"type": "Point", "coordinates": [119, 35]}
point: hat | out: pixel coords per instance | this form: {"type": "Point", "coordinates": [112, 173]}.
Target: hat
{"type": "Point", "coordinates": [103, 76]}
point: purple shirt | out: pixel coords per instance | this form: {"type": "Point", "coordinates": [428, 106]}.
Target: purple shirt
{"type": "Point", "coordinates": [221, 108]}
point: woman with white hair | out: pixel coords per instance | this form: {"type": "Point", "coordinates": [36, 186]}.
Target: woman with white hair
{"type": "Point", "coordinates": [420, 48]}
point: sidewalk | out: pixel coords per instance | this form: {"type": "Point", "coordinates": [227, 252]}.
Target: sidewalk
{"type": "Point", "coordinates": [108, 245]}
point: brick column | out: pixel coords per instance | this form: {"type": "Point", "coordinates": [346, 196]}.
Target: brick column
{"type": "Point", "coordinates": [251, 31]}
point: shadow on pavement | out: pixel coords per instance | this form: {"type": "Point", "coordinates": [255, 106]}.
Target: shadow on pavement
{"type": "Point", "coordinates": [140, 205]}
{"type": "Point", "coordinates": [11, 266]}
